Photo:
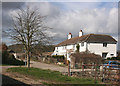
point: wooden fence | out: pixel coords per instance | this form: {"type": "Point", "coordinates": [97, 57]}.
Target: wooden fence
{"type": "Point", "coordinates": [98, 72]}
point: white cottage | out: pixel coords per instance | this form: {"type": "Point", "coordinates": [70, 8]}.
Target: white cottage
{"type": "Point", "coordinates": [100, 44]}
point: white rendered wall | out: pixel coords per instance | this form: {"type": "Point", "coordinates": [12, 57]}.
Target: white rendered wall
{"type": "Point", "coordinates": [98, 48]}
{"type": "Point", "coordinates": [83, 48]}
{"type": "Point", "coordinates": [62, 50]}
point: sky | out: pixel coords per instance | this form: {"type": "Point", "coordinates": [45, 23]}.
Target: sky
{"type": "Point", "coordinates": [97, 16]}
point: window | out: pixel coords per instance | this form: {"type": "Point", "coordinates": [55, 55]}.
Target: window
{"type": "Point", "coordinates": [104, 55]}
{"type": "Point", "coordinates": [82, 44]}
{"type": "Point", "coordinates": [104, 44]}
{"type": "Point", "coordinates": [64, 47]}
{"type": "Point", "coordinates": [112, 54]}
{"type": "Point", "coordinates": [56, 49]}
{"type": "Point", "coordinates": [73, 46]}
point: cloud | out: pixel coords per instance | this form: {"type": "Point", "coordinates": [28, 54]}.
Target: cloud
{"type": "Point", "coordinates": [71, 17]}
{"type": "Point", "coordinates": [90, 21]}
{"type": "Point", "coordinates": [7, 9]}
{"type": "Point", "coordinates": [44, 8]}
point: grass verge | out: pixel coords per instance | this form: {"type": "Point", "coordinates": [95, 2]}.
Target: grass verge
{"type": "Point", "coordinates": [50, 76]}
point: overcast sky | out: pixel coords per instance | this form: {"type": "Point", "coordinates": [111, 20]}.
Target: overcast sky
{"type": "Point", "coordinates": [65, 17]}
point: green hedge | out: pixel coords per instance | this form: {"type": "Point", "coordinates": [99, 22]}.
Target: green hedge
{"type": "Point", "coordinates": [9, 59]}
{"type": "Point", "coordinates": [114, 58]}
{"type": "Point", "coordinates": [59, 58]}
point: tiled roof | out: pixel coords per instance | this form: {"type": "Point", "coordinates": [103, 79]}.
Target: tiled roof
{"type": "Point", "coordinates": [90, 38]}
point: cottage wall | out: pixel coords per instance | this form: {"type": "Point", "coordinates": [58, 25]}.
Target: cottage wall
{"type": "Point", "coordinates": [98, 48]}
{"type": "Point", "coordinates": [83, 48]}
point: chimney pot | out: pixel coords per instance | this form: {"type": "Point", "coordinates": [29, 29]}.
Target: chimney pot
{"type": "Point", "coordinates": [69, 35]}
{"type": "Point", "coordinates": [80, 33]}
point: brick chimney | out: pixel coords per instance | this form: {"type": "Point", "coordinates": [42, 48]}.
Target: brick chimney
{"type": "Point", "coordinates": [80, 33]}
{"type": "Point", "coordinates": [69, 35]}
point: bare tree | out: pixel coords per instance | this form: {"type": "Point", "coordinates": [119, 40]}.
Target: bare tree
{"type": "Point", "coordinates": [28, 29]}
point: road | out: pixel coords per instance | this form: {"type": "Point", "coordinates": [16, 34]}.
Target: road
{"type": "Point", "coordinates": [48, 66]}
{"type": "Point", "coordinates": [53, 67]}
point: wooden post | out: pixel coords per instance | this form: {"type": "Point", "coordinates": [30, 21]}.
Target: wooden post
{"type": "Point", "coordinates": [95, 72]}
{"type": "Point", "coordinates": [68, 68]}
{"type": "Point", "coordinates": [118, 75]}
{"type": "Point", "coordinates": [82, 67]}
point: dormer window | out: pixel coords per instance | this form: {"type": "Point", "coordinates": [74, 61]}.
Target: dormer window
{"type": "Point", "coordinates": [104, 44]}
{"type": "Point", "coordinates": [82, 44]}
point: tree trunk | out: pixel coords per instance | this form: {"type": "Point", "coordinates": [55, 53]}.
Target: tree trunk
{"type": "Point", "coordinates": [28, 59]}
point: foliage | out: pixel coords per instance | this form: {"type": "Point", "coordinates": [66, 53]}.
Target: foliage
{"type": "Point", "coordinates": [60, 58]}
{"type": "Point", "coordinates": [5, 56]}
{"type": "Point", "coordinates": [118, 53]}
{"type": "Point", "coordinates": [50, 76]}
{"type": "Point", "coordinates": [114, 58]}
{"type": "Point", "coordinates": [15, 62]}
{"type": "Point", "coordinates": [78, 47]}
{"type": "Point", "coordinates": [3, 47]}
{"type": "Point", "coordinates": [9, 59]}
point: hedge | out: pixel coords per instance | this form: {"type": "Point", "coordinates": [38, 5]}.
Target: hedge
{"type": "Point", "coordinates": [114, 58]}
{"type": "Point", "coordinates": [59, 58]}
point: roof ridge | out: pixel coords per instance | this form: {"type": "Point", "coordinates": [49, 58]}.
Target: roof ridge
{"type": "Point", "coordinates": [101, 34]}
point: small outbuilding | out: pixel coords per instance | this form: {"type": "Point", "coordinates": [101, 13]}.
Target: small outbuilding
{"type": "Point", "coordinates": [80, 58]}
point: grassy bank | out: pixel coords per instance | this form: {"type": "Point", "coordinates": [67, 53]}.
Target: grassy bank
{"type": "Point", "coordinates": [50, 76]}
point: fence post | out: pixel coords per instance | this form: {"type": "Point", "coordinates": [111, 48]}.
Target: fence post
{"type": "Point", "coordinates": [118, 76]}
{"type": "Point", "coordinates": [68, 68]}
{"type": "Point", "coordinates": [82, 67]}
{"type": "Point", "coordinates": [95, 72]}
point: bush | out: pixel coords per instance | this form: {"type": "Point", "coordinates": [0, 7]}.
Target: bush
{"type": "Point", "coordinates": [15, 62]}
{"type": "Point", "coordinates": [5, 56]}
{"type": "Point", "coordinates": [114, 58]}
{"type": "Point", "coordinates": [60, 58]}
{"type": "Point", "coordinates": [9, 59]}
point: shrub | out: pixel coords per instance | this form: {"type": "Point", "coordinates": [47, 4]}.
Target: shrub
{"type": "Point", "coordinates": [114, 58]}
{"type": "Point", "coordinates": [78, 47]}
{"type": "Point", "coordinates": [5, 56]}
{"type": "Point", "coordinates": [59, 58]}
{"type": "Point", "coordinates": [9, 59]}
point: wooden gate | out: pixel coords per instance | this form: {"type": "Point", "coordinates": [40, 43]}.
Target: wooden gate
{"type": "Point", "coordinates": [111, 75]}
